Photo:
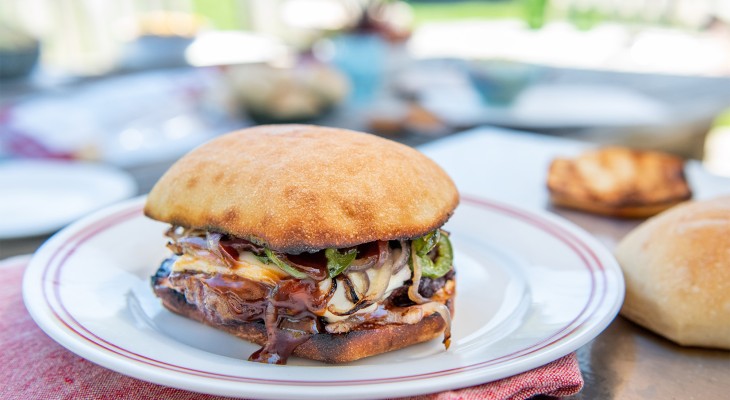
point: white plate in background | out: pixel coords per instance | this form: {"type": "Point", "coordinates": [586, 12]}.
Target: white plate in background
{"type": "Point", "coordinates": [531, 288]}
{"type": "Point", "coordinates": [40, 196]}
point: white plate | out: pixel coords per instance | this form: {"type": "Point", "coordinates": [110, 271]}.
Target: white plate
{"type": "Point", "coordinates": [38, 197]}
{"type": "Point", "coordinates": [531, 288]}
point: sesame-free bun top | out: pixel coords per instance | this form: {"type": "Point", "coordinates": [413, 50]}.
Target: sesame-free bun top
{"type": "Point", "coordinates": [304, 187]}
{"type": "Point", "coordinates": [677, 271]}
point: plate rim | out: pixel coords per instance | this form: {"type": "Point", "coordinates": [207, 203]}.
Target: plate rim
{"type": "Point", "coordinates": [556, 347]}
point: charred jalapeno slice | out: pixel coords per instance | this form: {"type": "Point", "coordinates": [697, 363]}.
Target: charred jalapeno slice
{"type": "Point", "coordinates": [444, 254]}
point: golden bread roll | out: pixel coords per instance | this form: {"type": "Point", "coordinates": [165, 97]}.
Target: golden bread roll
{"type": "Point", "coordinates": [305, 187]}
{"type": "Point", "coordinates": [677, 271]}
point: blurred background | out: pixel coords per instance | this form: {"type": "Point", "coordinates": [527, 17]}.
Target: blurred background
{"type": "Point", "coordinates": [130, 85]}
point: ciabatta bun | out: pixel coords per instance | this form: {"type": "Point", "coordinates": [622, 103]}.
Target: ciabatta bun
{"type": "Point", "coordinates": [302, 188]}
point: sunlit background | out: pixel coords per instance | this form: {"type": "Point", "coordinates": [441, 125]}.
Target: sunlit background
{"type": "Point", "coordinates": [135, 84]}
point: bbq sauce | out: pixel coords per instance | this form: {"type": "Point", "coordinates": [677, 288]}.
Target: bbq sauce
{"type": "Point", "coordinates": [290, 310]}
{"type": "Point", "coordinates": [291, 319]}
{"type": "Point", "coordinates": [286, 337]}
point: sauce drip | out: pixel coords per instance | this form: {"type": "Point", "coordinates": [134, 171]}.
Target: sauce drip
{"type": "Point", "coordinates": [290, 310]}
{"type": "Point", "coordinates": [291, 319]}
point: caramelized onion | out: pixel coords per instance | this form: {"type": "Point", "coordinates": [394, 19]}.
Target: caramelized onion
{"type": "Point", "coordinates": [402, 260]}
{"type": "Point", "coordinates": [406, 315]}
{"type": "Point", "coordinates": [346, 325]}
{"type": "Point", "coordinates": [364, 289]}
{"type": "Point", "coordinates": [173, 232]}
{"type": "Point", "coordinates": [214, 246]}
{"type": "Point", "coordinates": [213, 241]}
{"type": "Point", "coordinates": [443, 311]}
{"type": "Point", "coordinates": [372, 261]}
{"type": "Point", "coordinates": [350, 292]}
{"type": "Point", "coordinates": [326, 286]}
{"type": "Point", "coordinates": [191, 244]}
{"type": "Point", "coordinates": [317, 273]}
{"type": "Point", "coordinates": [357, 307]}
{"type": "Point", "coordinates": [362, 264]}
{"type": "Point", "coordinates": [413, 290]}
{"type": "Point", "coordinates": [383, 253]}
{"type": "Point", "coordinates": [361, 282]}
{"type": "Point", "coordinates": [398, 315]}
{"type": "Point", "coordinates": [242, 245]}
{"type": "Point", "coordinates": [429, 306]}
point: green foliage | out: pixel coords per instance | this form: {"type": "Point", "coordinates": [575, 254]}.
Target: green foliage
{"type": "Point", "coordinates": [456, 10]}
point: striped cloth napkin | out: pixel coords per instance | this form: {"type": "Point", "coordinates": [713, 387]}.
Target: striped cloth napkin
{"type": "Point", "coordinates": [32, 366]}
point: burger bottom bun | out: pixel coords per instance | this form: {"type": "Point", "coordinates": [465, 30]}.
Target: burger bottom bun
{"type": "Point", "coordinates": [329, 348]}
{"type": "Point", "coordinates": [677, 271]}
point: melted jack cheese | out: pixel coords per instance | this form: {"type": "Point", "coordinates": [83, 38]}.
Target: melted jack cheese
{"type": "Point", "coordinates": [249, 267]}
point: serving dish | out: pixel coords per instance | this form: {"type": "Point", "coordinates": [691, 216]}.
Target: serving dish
{"type": "Point", "coordinates": [531, 288]}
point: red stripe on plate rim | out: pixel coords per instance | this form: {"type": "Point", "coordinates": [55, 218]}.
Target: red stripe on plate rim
{"type": "Point", "coordinates": [67, 248]}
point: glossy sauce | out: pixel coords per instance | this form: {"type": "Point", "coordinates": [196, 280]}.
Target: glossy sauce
{"type": "Point", "coordinates": [291, 319]}
{"type": "Point", "coordinates": [290, 310]}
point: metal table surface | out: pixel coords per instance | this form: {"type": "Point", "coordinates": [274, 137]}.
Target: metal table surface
{"type": "Point", "coordinates": [625, 361]}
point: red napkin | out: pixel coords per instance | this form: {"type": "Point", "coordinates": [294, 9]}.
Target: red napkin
{"type": "Point", "coordinates": [32, 366]}
{"type": "Point", "coordinates": [19, 144]}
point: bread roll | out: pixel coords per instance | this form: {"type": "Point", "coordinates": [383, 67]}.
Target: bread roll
{"type": "Point", "coordinates": [677, 271]}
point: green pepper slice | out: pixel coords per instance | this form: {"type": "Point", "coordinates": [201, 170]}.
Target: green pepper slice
{"type": "Point", "coordinates": [426, 243]}
{"type": "Point", "coordinates": [444, 256]}
{"type": "Point", "coordinates": [284, 266]}
{"type": "Point", "coordinates": [338, 262]}
{"type": "Point", "coordinates": [263, 259]}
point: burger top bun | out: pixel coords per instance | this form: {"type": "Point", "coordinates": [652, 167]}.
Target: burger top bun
{"type": "Point", "coordinates": [302, 188]}
{"type": "Point", "coordinates": [677, 271]}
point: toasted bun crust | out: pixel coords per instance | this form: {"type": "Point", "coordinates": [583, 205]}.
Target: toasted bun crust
{"type": "Point", "coordinates": [618, 182]}
{"type": "Point", "coordinates": [325, 347]}
{"type": "Point", "coordinates": [677, 271]}
{"type": "Point", "coordinates": [303, 187]}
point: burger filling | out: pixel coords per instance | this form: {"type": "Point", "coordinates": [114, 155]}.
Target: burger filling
{"type": "Point", "coordinates": [232, 280]}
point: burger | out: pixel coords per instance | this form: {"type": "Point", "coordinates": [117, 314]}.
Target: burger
{"type": "Point", "coordinates": [319, 242]}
